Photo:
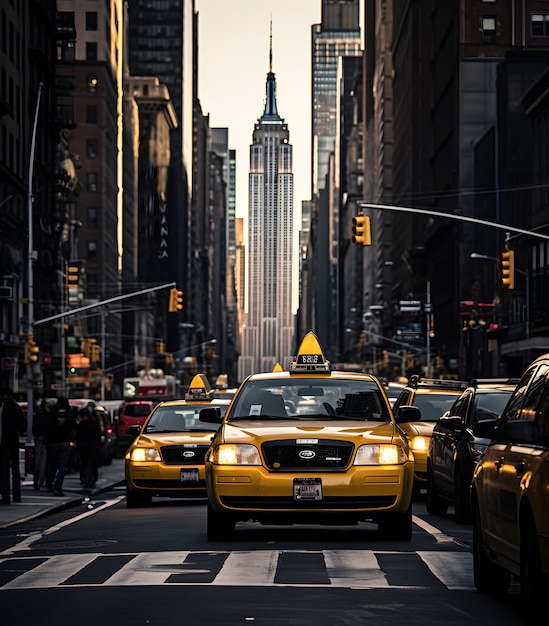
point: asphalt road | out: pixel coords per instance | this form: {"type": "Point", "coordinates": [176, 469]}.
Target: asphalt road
{"type": "Point", "coordinates": [99, 562]}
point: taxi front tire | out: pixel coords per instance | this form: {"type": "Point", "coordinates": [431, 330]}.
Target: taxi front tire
{"type": "Point", "coordinates": [219, 526]}
{"type": "Point", "coordinates": [397, 526]}
{"type": "Point", "coordinates": [137, 499]}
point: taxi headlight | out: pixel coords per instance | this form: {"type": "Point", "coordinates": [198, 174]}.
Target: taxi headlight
{"type": "Point", "coordinates": [145, 454]}
{"type": "Point", "coordinates": [380, 454]}
{"type": "Point", "coordinates": [235, 454]}
{"type": "Point", "coordinates": [419, 444]}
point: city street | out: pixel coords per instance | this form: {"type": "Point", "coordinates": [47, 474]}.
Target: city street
{"type": "Point", "coordinates": [99, 561]}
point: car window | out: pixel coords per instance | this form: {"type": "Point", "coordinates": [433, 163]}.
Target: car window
{"type": "Point", "coordinates": [433, 405]}
{"type": "Point", "coordinates": [535, 389]}
{"type": "Point", "coordinates": [542, 413]}
{"type": "Point", "coordinates": [137, 410]}
{"type": "Point", "coordinates": [490, 405]}
{"type": "Point", "coordinates": [302, 398]}
{"type": "Point", "coordinates": [513, 407]}
{"type": "Point", "coordinates": [179, 419]}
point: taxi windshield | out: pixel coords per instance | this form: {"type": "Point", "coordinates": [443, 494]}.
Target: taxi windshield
{"type": "Point", "coordinates": [310, 398]}
{"type": "Point", "coordinates": [179, 419]}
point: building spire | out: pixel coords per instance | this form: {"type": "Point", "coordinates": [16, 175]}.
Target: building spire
{"type": "Point", "coordinates": [270, 111]}
{"type": "Point", "coordinates": [271, 46]}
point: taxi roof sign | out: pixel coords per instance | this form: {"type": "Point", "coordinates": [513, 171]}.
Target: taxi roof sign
{"type": "Point", "coordinates": [277, 368]}
{"type": "Point", "coordinates": [310, 357]}
{"type": "Point", "coordinates": [199, 389]}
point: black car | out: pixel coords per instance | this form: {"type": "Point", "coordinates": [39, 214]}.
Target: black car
{"type": "Point", "coordinates": [454, 450]}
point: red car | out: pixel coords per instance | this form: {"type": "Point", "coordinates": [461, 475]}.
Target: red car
{"type": "Point", "coordinates": [133, 413]}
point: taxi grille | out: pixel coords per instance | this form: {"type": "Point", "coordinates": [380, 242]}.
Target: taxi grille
{"type": "Point", "coordinates": [329, 503]}
{"type": "Point", "coordinates": [181, 455]}
{"type": "Point", "coordinates": [326, 454]}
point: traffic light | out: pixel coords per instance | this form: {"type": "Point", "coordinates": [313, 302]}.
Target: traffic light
{"type": "Point", "coordinates": [73, 282]}
{"type": "Point", "coordinates": [176, 300]}
{"type": "Point", "coordinates": [31, 350]}
{"type": "Point", "coordinates": [361, 231]}
{"type": "Point", "coordinates": [506, 269]}
{"type": "Point", "coordinates": [172, 306]}
{"type": "Point", "coordinates": [160, 347]}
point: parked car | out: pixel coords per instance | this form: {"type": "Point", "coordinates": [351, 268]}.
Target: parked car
{"type": "Point", "coordinates": [454, 450]}
{"type": "Point", "coordinates": [309, 445]}
{"type": "Point", "coordinates": [133, 413]}
{"type": "Point", "coordinates": [433, 397]}
{"type": "Point", "coordinates": [509, 495]}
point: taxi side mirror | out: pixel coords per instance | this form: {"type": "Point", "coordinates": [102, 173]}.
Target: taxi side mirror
{"type": "Point", "coordinates": [407, 413]}
{"type": "Point", "coordinates": [133, 431]}
{"type": "Point", "coordinates": [211, 415]}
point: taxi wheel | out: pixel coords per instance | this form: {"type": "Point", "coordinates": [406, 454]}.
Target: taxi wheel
{"type": "Point", "coordinates": [136, 499]}
{"type": "Point", "coordinates": [219, 525]}
{"type": "Point", "coordinates": [435, 504]}
{"type": "Point", "coordinates": [396, 526]}
{"type": "Point", "coordinates": [462, 505]}
{"type": "Point", "coordinates": [489, 578]}
{"type": "Point", "coordinates": [532, 584]}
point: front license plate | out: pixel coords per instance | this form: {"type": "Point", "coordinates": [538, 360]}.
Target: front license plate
{"type": "Point", "coordinates": [189, 476]}
{"type": "Point", "coordinates": [307, 489]}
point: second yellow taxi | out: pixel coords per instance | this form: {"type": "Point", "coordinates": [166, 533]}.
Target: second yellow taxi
{"type": "Point", "coordinates": [166, 459]}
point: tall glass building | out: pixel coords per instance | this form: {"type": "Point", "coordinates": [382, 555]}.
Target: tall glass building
{"type": "Point", "coordinates": [337, 35]}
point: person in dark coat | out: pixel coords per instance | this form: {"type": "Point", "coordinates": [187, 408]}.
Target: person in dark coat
{"type": "Point", "coordinates": [88, 444]}
{"type": "Point", "coordinates": [39, 427]}
{"type": "Point", "coordinates": [59, 439]}
{"type": "Point", "coordinates": [12, 422]}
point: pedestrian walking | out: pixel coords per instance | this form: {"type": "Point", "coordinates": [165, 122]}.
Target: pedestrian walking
{"type": "Point", "coordinates": [88, 445]}
{"type": "Point", "coordinates": [59, 439]}
{"type": "Point", "coordinates": [12, 423]}
{"type": "Point", "coordinates": [39, 428]}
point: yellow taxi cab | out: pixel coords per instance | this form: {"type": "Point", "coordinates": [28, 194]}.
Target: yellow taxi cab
{"type": "Point", "coordinates": [166, 459]}
{"type": "Point", "coordinates": [510, 495]}
{"type": "Point", "coordinates": [309, 445]}
{"type": "Point", "coordinates": [433, 397]}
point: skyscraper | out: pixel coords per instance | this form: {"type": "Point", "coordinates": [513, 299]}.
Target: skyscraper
{"type": "Point", "coordinates": [268, 335]}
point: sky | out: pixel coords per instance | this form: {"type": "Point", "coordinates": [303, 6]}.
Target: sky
{"type": "Point", "coordinates": [233, 61]}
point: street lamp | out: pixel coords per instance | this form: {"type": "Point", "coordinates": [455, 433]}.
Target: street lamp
{"type": "Point", "coordinates": [525, 273]}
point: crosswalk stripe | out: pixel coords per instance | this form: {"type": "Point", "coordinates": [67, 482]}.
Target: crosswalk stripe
{"type": "Point", "coordinates": [352, 569]}
{"type": "Point", "coordinates": [453, 569]}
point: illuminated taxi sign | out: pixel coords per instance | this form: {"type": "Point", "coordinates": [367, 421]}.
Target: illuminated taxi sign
{"type": "Point", "coordinates": [277, 368]}
{"type": "Point", "coordinates": [310, 357]}
{"type": "Point", "coordinates": [199, 389]}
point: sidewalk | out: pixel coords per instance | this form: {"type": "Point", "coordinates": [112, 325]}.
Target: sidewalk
{"type": "Point", "coordinates": [36, 503]}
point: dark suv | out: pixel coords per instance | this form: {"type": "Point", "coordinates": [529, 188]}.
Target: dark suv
{"type": "Point", "coordinates": [509, 495]}
{"type": "Point", "coordinates": [454, 451]}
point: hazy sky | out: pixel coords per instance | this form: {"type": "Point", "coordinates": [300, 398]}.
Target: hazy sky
{"type": "Point", "coordinates": [233, 61]}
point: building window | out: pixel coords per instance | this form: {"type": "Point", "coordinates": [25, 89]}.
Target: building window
{"type": "Point", "coordinates": [91, 51]}
{"type": "Point", "coordinates": [540, 25]}
{"type": "Point", "coordinates": [65, 114]}
{"type": "Point", "coordinates": [91, 216]}
{"type": "Point", "coordinates": [91, 148]}
{"type": "Point", "coordinates": [489, 29]}
{"type": "Point", "coordinates": [91, 114]}
{"type": "Point", "coordinates": [92, 249]}
{"type": "Point", "coordinates": [91, 20]}
{"type": "Point", "coordinates": [92, 181]}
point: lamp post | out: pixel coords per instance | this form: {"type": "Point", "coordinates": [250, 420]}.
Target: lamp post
{"type": "Point", "coordinates": [31, 256]}
{"type": "Point", "coordinates": [525, 273]}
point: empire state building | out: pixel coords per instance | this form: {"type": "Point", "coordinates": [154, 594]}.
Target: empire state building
{"type": "Point", "coordinates": [268, 336]}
